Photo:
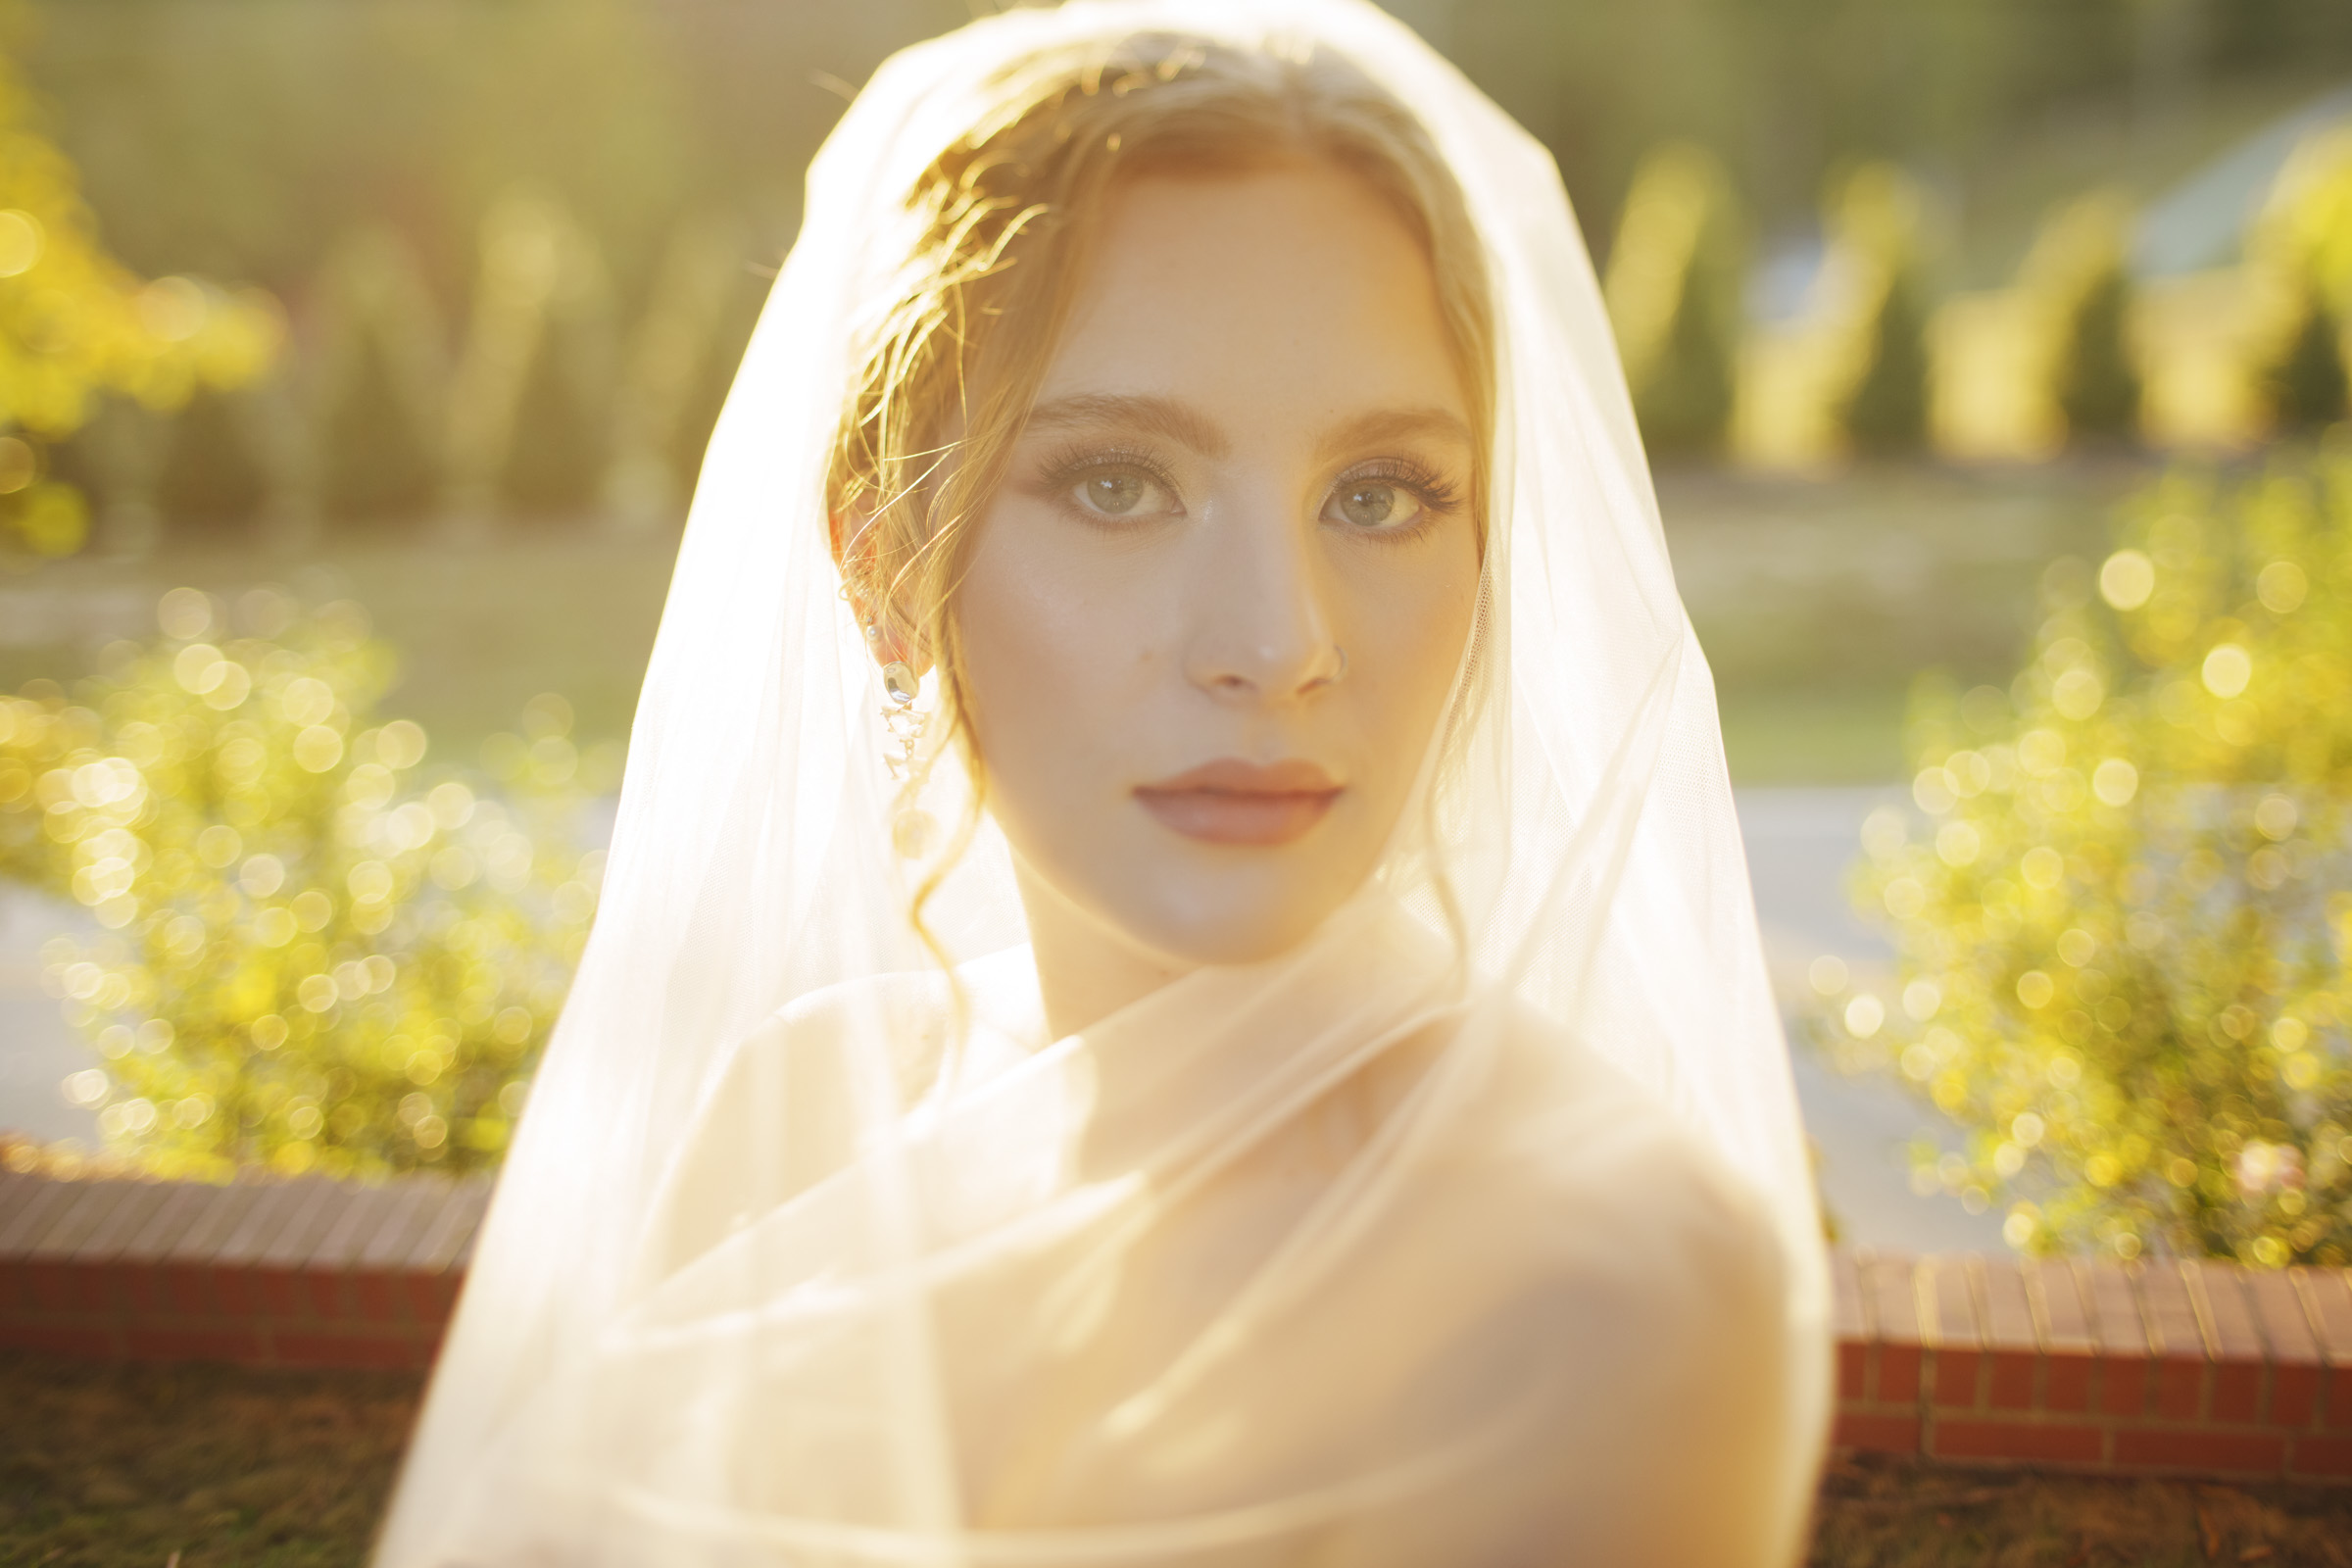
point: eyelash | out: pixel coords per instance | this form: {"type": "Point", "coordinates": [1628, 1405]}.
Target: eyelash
{"type": "Point", "coordinates": [1437, 496]}
{"type": "Point", "coordinates": [1079, 462]}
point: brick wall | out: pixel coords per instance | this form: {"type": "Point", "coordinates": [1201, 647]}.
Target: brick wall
{"type": "Point", "coordinates": [2163, 1365]}
{"type": "Point", "coordinates": [265, 1273]}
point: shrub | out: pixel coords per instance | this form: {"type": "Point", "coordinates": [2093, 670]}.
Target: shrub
{"type": "Point", "coordinates": [320, 953]}
{"type": "Point", "coordinates": [74, 324]}
{"type": "Point", "coordinates": [2124, 929]}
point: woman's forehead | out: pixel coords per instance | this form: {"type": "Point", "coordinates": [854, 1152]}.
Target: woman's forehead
{"type": "Point", "coordinates": [1290, 290]}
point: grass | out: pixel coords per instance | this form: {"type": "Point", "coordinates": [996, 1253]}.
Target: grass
{"type": "Point", "coordinates": [205, 1466]}
{"type": "Point", "coordinates": [105, 1466]}
{"type": "Point", "coordinates": [1883, 1514]}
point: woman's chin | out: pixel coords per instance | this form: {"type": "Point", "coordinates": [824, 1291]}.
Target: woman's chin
{"type": "Point", "coordinates": [1249, 924]}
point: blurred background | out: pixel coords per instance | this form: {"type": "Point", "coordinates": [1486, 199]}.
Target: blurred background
{"type": "Point", "coordinates": [427, 307]}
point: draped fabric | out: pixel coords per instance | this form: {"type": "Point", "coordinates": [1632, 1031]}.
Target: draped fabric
{"type": "Point", "coordinates": [1476, 1230]}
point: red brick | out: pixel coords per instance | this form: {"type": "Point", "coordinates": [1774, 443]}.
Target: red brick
{"type": "Point", "coordinates": [2321, 1456]}
{"type": "Point", "coordinates": [344, 1349]}
{"type": "Point", "coordinates": [1898, 1373]}
{"type": "Point", "coordinates": [91, 1290]}
{"type": "Point", "coordinates": [1876, 1433]}
{"type": "Point", "coordinates": [2339, 1398]}
{"type": "Point", "coordinates": [2065, 1382]}
{"type": "Point", "coordinates": [241, 1345]}
{"type": "Point", "coordinates": [47, 1285]}
{"type": "Point", "coordinates": [2294, 1350]}
{"type": "Point", "coordinates": [2031, 1441]}
{"type": "Point", "coordinates": [433, 1298]}
{"type": "Point", "coordinates": [1853, 1364]}
{"type": "Point", "coordinates": [282, 1289]}
{"type": "Point", "coordinates": [2294, 1394]}
{"type": "Point", "coordinates": [2218, 1292]}
{"type": "Point", "coordinates": [1948, 1321]}
{"type": "Point", "coordinates": [1891, 1298]}
{"type": "Point", "coordinates": [2125, 1386]}
{"type": "Point", "coordinates": [379, 1297]}
{"type": "Point", "coordinates": [2189, 1449]}
{"type": "Point", "coordinates": [60, 1338]}
{"type": "Point", "coordinates": [2007, 1318]}
{"type": "Point", "coordinates": [186, 1290]}
{"type": "Point", "coordinates": [2009, 1382]}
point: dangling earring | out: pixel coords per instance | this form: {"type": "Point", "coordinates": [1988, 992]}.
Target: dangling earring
{"type": "Point", "coordinates": [910, 825]}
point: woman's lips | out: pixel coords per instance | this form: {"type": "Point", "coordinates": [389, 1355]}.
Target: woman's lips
{"type": "Point", "coordinates": [1233, 801]}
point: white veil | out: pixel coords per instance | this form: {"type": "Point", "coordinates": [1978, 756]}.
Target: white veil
{"type": "Point", "coordinates": [785, 1397]}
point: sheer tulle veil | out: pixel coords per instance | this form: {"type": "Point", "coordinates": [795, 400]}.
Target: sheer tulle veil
{"type": "Point", "coordinates": [791, 1402]}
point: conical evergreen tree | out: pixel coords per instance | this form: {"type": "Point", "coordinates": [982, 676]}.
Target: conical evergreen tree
{"type": "Point", "coordinates": [2098, 383]}
{"type": "Point", "coordinates": [211, 480]}
{"type": "Point", "coordinates": [1887, 413]}
{"type": "Point", "coordinates": [559, 447]}
{"type": "Point", "coordinates": [376, 464]}
{"type": "Point", "coordinates": [1673, 290]}
{"type": "Point", "coordinates": [1874, 225]}
{"type": "Point", "coordinates": [2307, 384]}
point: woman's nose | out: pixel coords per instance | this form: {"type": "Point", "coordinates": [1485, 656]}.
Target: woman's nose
{"type": "Point", "coordinates": [1261, 622]}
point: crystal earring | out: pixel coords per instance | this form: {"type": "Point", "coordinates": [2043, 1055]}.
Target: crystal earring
{"type": "Point", "coordinates": [911, 826]}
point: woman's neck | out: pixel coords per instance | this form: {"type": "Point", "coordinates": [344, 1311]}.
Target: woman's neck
{"type": "Point", "coordinates": [1084, 970]}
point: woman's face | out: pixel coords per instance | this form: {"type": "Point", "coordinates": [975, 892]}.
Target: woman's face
{"type": "Point", "coordinates": [1213, 616]}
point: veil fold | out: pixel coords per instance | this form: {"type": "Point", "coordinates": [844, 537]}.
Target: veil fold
{"type": "Point", "coordinates": [968, 1295]}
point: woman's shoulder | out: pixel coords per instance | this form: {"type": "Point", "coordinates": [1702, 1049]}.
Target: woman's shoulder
{"type": "Point", "coordinates": [1620, 1190]}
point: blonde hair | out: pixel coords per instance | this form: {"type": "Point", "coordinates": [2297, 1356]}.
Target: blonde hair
{"type": "Point", "coordinates": [944, 380]}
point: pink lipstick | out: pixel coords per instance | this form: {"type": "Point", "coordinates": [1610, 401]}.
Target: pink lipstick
{"type": "Point", "coordinates": [1233, 801]}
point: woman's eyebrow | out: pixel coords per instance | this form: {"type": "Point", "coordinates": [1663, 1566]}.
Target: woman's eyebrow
{"type": "Point", "coordinates": [1382, 426]}
{"type": "Point", "coordinates": [1151, 416]}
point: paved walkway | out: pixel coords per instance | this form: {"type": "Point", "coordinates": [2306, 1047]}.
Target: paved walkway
{"type": "Point", "coordinates": [1799, 843]}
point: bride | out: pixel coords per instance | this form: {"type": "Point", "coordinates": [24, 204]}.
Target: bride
{"type": "Point", "coordinates": [1176, 982]}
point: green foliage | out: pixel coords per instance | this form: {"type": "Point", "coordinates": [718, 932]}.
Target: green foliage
{"type": "Point", "coordinates": [1673, 290]}
{"type": "Point", "coordinates": [320, 954]}
{"type": "Point", "coordinates": [75, 325]}
{"type": "Point", "coordinates": [2125, 929]}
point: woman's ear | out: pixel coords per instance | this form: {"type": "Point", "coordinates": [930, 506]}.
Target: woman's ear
{"type": "Point", "coordinates": [892, 635]}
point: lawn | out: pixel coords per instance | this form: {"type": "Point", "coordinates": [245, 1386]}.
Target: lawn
{"type": "Point", "coordinates": [137, 1466]}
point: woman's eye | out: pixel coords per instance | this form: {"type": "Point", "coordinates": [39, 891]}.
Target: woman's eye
{"type": "Point", "coordinates": [1373, 505]}
{"type": "Point", "coordinates": [1120, 493]}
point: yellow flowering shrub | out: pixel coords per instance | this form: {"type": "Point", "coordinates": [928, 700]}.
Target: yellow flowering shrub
{"type": "Point", "coordinates": [75, 324]}
{"type": "Point", "coordinates": [320, 952]}
{"type": "Point", "coordinates": [2123, 909]}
